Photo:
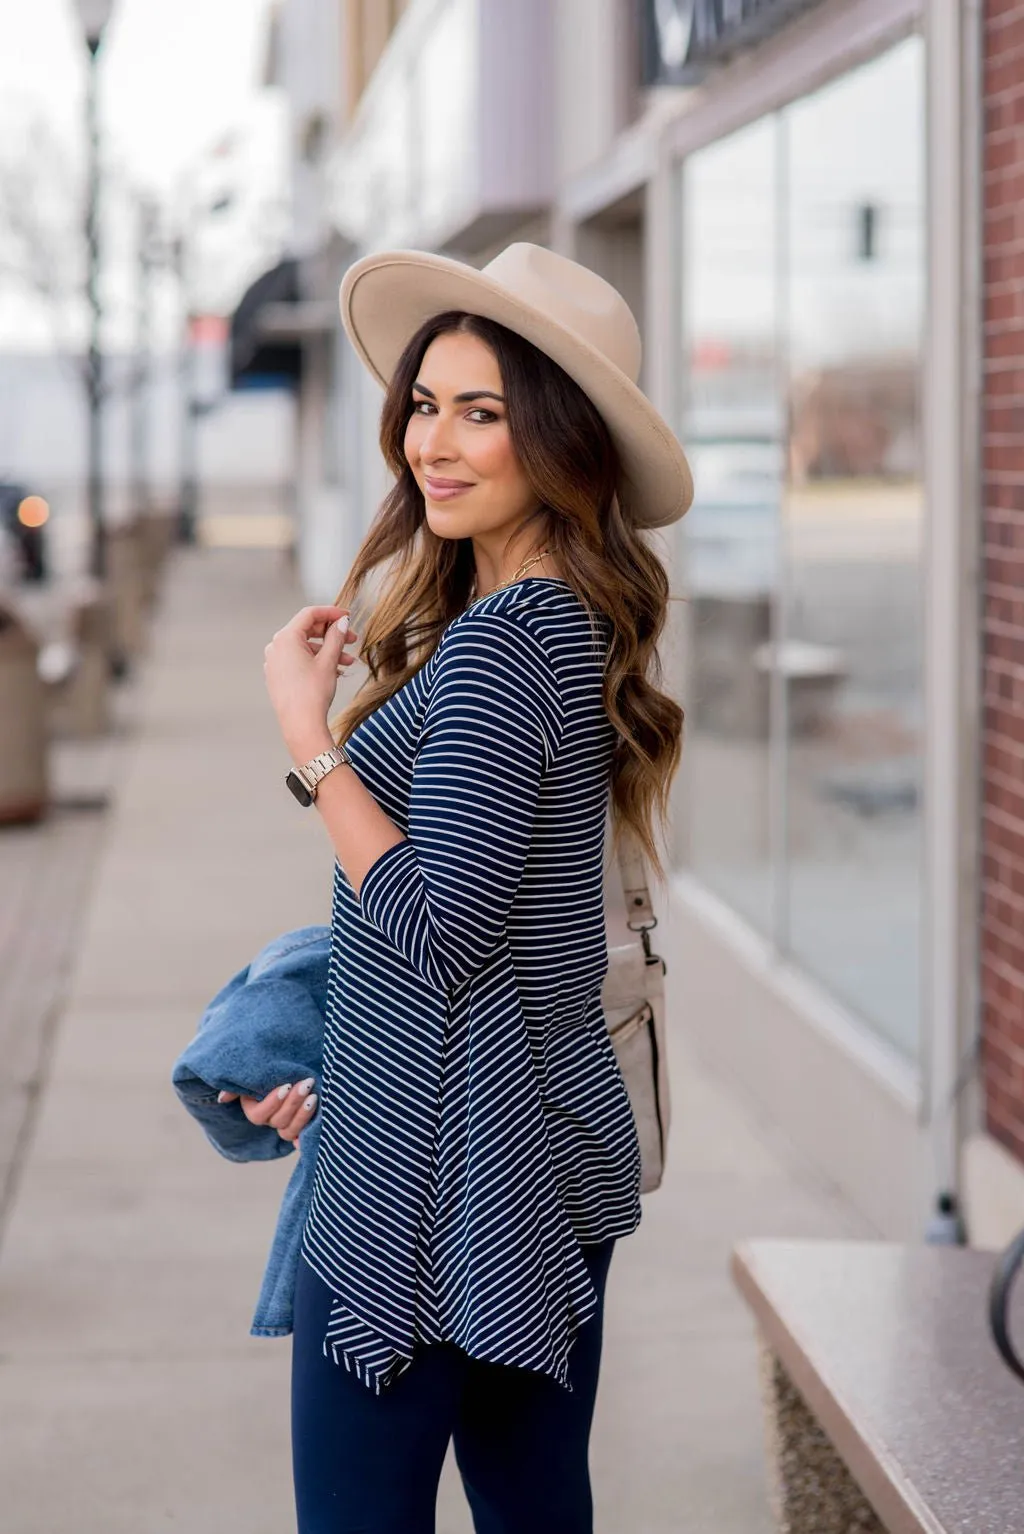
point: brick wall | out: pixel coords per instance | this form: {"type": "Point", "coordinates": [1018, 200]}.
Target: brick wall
{"type": "Point", "coordinates": [1002, 936]}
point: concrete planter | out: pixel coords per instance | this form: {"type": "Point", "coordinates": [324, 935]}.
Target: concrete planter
{"type": "Point", "coordinates": [156, 532]}
{"type": "Point", "coordinates": [127, 581]}
{"type": "Point", "coordinates": [80, 699]}
{"type": "Point", "coordinates": [24, 777]}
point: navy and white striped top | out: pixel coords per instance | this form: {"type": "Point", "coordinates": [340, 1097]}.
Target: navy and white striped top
{"type": "Point", "coordinates": [476, 1130]}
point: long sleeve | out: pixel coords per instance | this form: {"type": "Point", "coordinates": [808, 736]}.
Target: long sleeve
{"type": "Point", "coordinates": [475, 1130]}
{"type": "Point", "coordinates": [491, 727]}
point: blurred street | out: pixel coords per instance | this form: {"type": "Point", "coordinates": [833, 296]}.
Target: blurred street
{"type": "Point", "coordinates": [131, 1397]}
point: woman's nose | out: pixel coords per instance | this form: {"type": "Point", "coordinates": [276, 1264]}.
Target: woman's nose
{"type": "Point", "coordinates": [435, 444]}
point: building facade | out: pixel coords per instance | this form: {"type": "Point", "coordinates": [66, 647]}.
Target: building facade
{"type": "Point", "coordinates": [790, 195]}
{"type": "Point", "coordinates": [824, 816]}
{"type": "Point", "coordinates": [996, 1155]}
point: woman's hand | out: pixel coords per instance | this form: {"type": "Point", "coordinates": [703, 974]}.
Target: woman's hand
{"type": "Point", "coordinates": [287, 1109]}
{"type": "Point", "coordinates": [302, 664]}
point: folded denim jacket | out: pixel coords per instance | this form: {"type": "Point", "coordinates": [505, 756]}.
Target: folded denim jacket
{"type": "Point", "coordinates": [265, 1027]}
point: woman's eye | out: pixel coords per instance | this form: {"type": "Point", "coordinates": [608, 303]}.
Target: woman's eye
{"type": "Point", "coordinates": [478, 415]}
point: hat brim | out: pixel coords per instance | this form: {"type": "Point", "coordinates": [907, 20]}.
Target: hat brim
{"type": "Point", "coordinates": [386, 297]}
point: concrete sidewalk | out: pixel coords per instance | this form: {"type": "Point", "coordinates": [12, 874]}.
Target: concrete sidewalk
{"type": "Point", "coordinates": [131, 1397]}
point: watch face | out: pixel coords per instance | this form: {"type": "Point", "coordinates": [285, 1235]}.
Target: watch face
{"type": "Point", "coordinates": [299, 789]}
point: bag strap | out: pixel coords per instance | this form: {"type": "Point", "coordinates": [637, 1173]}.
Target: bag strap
{"type": "Point", "coordinates": [633, 872]}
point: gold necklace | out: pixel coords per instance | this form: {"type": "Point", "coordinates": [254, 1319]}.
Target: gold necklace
{"type": "Point", "coordinates": [523, 569]}
{"type": "Point", "coordinates": [526, 565]}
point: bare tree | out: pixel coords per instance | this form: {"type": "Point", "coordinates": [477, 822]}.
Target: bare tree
{"type": "Point", "coordinates": [40, 222]}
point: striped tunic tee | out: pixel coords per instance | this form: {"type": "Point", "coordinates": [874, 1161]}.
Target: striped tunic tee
{"type": "Point", "coordinates": [476, 1129]}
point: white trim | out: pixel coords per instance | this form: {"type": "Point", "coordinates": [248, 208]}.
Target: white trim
{"type": "Point", "coordinates": [951, 409]}
{"type": "Point", "coordinates": [809, 51]}
{"type": "Point", "coordinates": [631, 162]}
{"type": "Point", "coordinates": [972, 359]}
{"type": "Point", "coordinates": [661, 283]}
{"type": "Point", "coordinates": [662, 295]}
{"type": "Point", "coordinates": [781, 609]}
{"type": "Point", "coordinates": [299, 320]}
{"type": "Point", "coordinates": [812, 1003]}
{"type": "Point", "coordinates": [805, 55]}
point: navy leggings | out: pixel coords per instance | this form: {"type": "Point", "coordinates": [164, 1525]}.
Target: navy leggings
{"type": "Point", "coordinates": [369, 1464]}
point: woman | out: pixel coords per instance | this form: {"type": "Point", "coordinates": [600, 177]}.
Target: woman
{"type": "Point", "coordinates": [477, 1155]}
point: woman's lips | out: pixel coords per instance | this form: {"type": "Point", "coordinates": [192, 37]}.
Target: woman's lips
{"type": "Point", "coordinates": [444, 489]}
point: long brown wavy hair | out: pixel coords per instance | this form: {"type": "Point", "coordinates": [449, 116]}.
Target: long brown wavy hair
{"type": "Point", "coordinates": [570, 460]}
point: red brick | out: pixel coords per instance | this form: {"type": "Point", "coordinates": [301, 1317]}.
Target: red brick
{"type": "Point", "coordinates": [1003, 644]}
{"type": "Point", "coordinates": [1000, 17]}
{"type": "Point", "coordinates": [1002, 747]}
{"type": "Point", "coordinates": [1003, 378]}
{"type": "Point", "coordinates": [1002, 492]}
{"type": "Point", "coordinates": [1006, 568]}
{"type": "Point", "coordinates": [1005, 340]}
{"type": "Point", "coordinates": [1007, 1132]}
{"type": "Point", "coordinates": [1005, 69]}
{"type": "Point", "coordinates": [1009, 726]}
{"type": "Point", "coordinates": [1013, 879]}
{"type": "Point", "coordinates": [1005, 417]}
{"type": "Point", "coordinates": [1001, 152]}
{"type": "Point", "coordinates": [993, 867]}
{"type": "Point", "coordinates": [1000, 987]}
{"type": "Point", "coordinates": [1004, 112]}
{"type": "Point", "coordinates": [1006, 797]}
{"type": "Point", "coordinates": [1001, 178]}
{"type": "Point", "coordinates": [999, 1017]}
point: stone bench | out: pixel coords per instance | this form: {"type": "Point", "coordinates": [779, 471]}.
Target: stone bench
{"type": "Point", "coordinates": [888, 1409]}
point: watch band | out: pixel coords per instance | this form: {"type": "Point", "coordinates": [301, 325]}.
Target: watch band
{"type": "Point", "coordinates": [305, 780]}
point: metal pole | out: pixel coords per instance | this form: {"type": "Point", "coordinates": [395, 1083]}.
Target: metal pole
{"type": "Point", "coordinates": [189, 444]}
{"type": "Point", "coordinates": [140, 435]}
{"type": "Point", "coordinates": [94, 361]}
{"type": "Point", "coordinates": [189, 489]}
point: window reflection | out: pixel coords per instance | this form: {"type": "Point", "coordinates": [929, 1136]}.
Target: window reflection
{"type": "Point", "coordinates": [803, 279]}
{"type": "Point", "coordinates": [851, 653]}
{"type": "Point", "coordinates": [733, 436]}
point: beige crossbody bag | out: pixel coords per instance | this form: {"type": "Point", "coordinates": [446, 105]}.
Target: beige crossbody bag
{"type": "Point", "coordinates": [633, 997]}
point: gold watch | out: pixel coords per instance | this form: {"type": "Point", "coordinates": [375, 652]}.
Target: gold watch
{"type": "Point", "coordinates": [305, 780]}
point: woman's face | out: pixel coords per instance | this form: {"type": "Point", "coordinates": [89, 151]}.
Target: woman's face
{"type": "Point", "coordinates": [458, 445]}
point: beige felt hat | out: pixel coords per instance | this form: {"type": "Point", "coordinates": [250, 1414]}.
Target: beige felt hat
{"type": "Point", "coordinates": [568, 312]}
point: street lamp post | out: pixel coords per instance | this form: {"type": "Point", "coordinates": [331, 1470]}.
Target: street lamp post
{"type": "Point", "coordinates": [194, 406]}
{"type": "Point", "coordinates": [188, 498]}
{"type": "Point", "coordinates": [94, 15]}
{"type": "Point", "coordinates": [147, 257]}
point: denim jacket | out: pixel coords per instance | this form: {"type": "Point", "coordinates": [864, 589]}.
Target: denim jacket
{"type": "Point", "coordinates": [265, 1027]}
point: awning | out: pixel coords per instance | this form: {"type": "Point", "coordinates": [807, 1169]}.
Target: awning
{"type": "Point", "coordinates": [269, 326]}
{"type": "Point", "coordinates": [294, 322]}
{"type": "Point", "coordinates": [257, 361]}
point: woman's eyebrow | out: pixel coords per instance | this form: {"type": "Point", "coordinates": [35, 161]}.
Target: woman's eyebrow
{"type": "Point", "coordinates": [462, 399]}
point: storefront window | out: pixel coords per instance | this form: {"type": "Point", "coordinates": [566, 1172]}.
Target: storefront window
{"type": "Point", "coordinates": [733, 434]}
{"type": "Point", "coordinates": [825, 639]}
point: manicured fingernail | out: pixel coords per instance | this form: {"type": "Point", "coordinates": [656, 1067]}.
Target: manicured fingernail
{"type": "Point", "coordinates": [342, 626]}
{"type": "Point", "coordinates": [305, 1086]}
{"type": "Point", "coordinates": [310, 1103]}
{"type": "Point", "coordinates": [222, 1097]}
{"type": "Point", "coordinates": [283, 1091]}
